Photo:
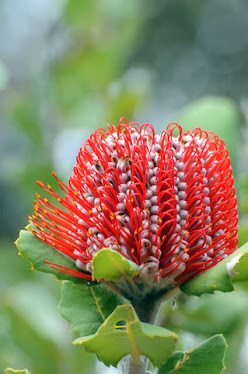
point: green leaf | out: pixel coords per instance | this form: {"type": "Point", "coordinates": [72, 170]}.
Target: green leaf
{"type": "Point", "coordinates": [36, 251]}
{"type": "Point", "coordinates": [220, 277]}
{"type": "Point", "coordinates": [122, 333]}
{"type": "Point", "coordinates": [111, 265]}
{"type": "Point", "coordinates": [171, 363]}
{"type": "Point", "coordinates": [238, 267]}
{"type": "Point", "coordinates": [9, 371]}
{"type": "Point", "coordinates": [207, 358]}
{"type": "Point", "coordinates": [86, 308]}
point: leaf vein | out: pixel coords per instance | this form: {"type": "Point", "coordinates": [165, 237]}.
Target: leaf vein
{"type": "Point", "coordinates": [97, 305]}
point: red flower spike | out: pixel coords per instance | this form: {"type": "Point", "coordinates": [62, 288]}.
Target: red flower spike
{"type": "Point", "coordinates": [166, 202]}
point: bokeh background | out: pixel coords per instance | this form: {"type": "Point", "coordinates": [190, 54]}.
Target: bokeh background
{"type": "Point", "coordinates": [69, 66]}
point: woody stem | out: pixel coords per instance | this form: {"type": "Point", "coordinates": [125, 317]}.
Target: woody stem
{"type": "Point", "coordinates": [133, 367]}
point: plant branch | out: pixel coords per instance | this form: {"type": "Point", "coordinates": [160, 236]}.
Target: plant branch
{"type": "Point", "coordinates": [129, 366]}
{"type": "Point", "coordinates": [133, 285]}
{"type": "Point", "coordinates": [155, 319]}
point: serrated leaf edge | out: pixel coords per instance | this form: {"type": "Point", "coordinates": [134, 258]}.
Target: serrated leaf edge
{"type": "Point", "coordinates": [137, 354]}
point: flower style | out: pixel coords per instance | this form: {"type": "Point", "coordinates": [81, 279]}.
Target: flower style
{"type": "Point", "coordinates": [166, 202]}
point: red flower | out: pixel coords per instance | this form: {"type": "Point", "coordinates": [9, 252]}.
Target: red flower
{"type": "Point", "coordinates": [166, 202]}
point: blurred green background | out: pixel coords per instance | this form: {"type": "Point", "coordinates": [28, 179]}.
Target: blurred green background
{"type": "Point", "coordinates": [69, 66]}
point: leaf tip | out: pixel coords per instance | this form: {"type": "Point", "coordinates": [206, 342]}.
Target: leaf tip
{"type": "Point", "coordinates": [174, 336]}
{"type": "Point", "coordinates": [77, 341]}
{"type": "Point", "coordinates": [230, 266]}
{"type": "Point", "coordinates": [16, 242]}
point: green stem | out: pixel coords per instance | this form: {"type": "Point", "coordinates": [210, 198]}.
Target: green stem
{"type": "Point", "coordinates": [133, 286]}
{"type": "Point", "coordinates": [114, 288]}
{"type": "Point", "coordinates": [157, 312]}
{"type": "Point", "coordinates": [149, 311]}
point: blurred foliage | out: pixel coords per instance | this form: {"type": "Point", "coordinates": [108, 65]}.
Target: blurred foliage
{"type": "Point", "coordinates": [76, 65]}
{"type": "Point", "coordinates": [219, 115]}
{"type": "Point", "coordinates": [11, 371]}
{"type": "Point", "coordinates": [32, 334]}
{"type": "Point", "coordinates": [4, 75]}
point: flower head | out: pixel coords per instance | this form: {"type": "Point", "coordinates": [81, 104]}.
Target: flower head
{"type": "Point", "coordinates": [166, 202]}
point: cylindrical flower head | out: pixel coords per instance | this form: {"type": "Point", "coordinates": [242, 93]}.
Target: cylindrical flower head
{"type": "Point", "coordinates": [166, 202]}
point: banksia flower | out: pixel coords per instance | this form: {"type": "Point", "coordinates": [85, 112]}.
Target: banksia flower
{"type": "Point", "coordinates": [166, 202]}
